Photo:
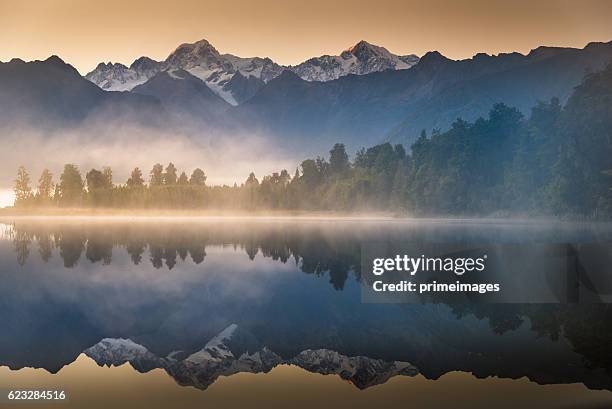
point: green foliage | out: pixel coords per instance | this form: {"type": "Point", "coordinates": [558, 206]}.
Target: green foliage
{"type": "Point", "coordinates": [135, 181]}
{"type": "Point", "coordinates": [169, 176]}
{"type": "Point", "coordinates": [580, 181]}
{"type": "Point", "coordinates": [70, 187]}
{"type": "Point", "coordinates": [22, 188]}
{"type": "Point", "coordinates": [183, 180]}
{"type": "Point", "coordinates": [95, 180]}
{"type": "Point", "coordinates": [558, 161]}
{"type": "Point", "coordinates": [198, 177]}
{"type": "Point", "coordinates": [45, 187]}
{"type": "Point", "coordinates": [157, 175]}
{"type": "Point", "coordinates": [338, 159]}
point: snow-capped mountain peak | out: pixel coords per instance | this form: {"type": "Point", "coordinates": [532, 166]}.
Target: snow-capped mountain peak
{"type": "Point", "coordinates": [191, 55]}
{"type": "Point", "coordinates": [360, 59]}
{"type": "Point", "coordinates": [363, 50]}
{"type": "Point", "coordinates": [201, 59]}
{"type": "Point", "coordinates": [118, 77]}
{"type": "Point", "coordinates": [145, 65]}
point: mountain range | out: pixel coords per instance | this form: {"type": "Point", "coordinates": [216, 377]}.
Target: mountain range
{"type": "Point", "coordinates": [218, 70]}
{"type": "Point", "coordinates": [52, 93]}
{"type": "Point", "coordinates": [364, 96]}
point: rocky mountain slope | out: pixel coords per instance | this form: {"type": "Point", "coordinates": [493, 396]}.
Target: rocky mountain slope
{"type": "Point", "coordinates": [51, 93]}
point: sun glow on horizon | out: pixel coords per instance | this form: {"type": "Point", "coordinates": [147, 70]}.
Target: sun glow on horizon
{"type": "Point", "coordinates": [7, 198]}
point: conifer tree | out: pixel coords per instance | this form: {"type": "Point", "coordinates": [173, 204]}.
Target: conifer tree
{"type": "Point", "coordinates": [135, 180]}
{"type": "Point", "coordinates": [71, 185]}
{"type": "Point", "coordinates": [183, 180]}
{"type": "Point", "coordinates": [22, 189]}
{"type": "Point", "coordinates": [170, 175]}
{"type": "Point", "coordinates": [198, 177]}
{"type": "Point", "coordinates": [45, 185]}
{"type": "Point", "coordinates": [156, 175]}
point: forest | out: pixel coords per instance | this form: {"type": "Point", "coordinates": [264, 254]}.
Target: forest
{"type": "Point", "coordinates": [558, 161]}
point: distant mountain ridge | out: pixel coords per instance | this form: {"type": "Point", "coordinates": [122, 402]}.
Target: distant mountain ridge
{"type": "Point", "coordinates": [395, 105]}
{"type": "Point", "coordinates": [217, 70]}
{"type": "Point", "coordinates": [51, 93]}
{"type": "Point", "coordinates": [287, 111]}
{"type": "Point", "coordinates": [361, 59]}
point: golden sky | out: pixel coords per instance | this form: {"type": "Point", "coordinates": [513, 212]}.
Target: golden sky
{"type": "Point", "coordinates": [84, 33]}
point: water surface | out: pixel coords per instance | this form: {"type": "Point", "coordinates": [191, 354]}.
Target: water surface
{"type": "Point", "coordinates": [199, 302]}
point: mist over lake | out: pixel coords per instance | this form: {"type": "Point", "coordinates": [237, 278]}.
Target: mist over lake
{"type": "Point", "coordinates": [202, 298]}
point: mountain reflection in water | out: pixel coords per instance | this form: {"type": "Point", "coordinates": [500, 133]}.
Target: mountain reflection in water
{"type": "Point", "coordinates": [204, 299]}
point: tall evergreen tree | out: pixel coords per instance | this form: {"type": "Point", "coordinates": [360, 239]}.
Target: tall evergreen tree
{"type": "Point", "coordinates": [170, 176]}
{"type": "Point", "coordinates": [338, 159]}
{"type": "Point", "coordinates": [95, 180]}
{"type": "Point", "coordinates": [107, 172]}
{"type": "Point", "coordinates": [183, 180]}
{"type": "Point", "coordinates": [71, 185]}
{"type": "Point", "coordinates": [45, 185]}
{"type": "Point", "coordinates": [198, 177]}
{"type": "Point", "coordinates": [135, 180]}
{"type": "Point", "coordinates": [156, 175]}
{"type": "Point", "coordinates": [22, 189]}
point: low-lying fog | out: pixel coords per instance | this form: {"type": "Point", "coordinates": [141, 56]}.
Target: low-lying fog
{"type": "Point", "coordinates": [224, 158]}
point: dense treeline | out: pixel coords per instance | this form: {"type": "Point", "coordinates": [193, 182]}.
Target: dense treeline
{"type": "Point", "coordinates": [558, 161]}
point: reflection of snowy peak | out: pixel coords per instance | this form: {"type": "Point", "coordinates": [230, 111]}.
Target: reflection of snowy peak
{"type": "Point", "coordinates": [117, 351]}
{"type": "Point", "coordinates": [363, 58]}
{"type": "Point", "coordinates": [202, 372]}
{"type": "Point", "coordinates": [362, 371]}
{"type": "Point", "coordinates": [236, 79]}
{"type": "Point", "coordinates": [215, 349]}
{"type": "Point", "coordinates": [203, 367]}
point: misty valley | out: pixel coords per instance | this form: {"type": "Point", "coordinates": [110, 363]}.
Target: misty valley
{"type": "Point", "coordinates": [556, 163]}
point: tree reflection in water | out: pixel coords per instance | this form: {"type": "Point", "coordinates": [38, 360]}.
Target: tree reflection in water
{"type": "Point", "coordinates": [324, 250]}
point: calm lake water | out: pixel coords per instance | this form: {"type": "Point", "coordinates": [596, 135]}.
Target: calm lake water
{"type": "Point", "coordinates": [252, 312]}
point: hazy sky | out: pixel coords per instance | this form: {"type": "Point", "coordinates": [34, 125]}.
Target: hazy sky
{"type": "Point", "coordinates": [84, 33]}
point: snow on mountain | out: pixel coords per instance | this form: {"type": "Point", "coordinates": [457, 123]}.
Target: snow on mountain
{"type": "Point", "coordinates": [201, 60]}
{"type": "Point", "coordinates": [217, 70]}
{"type": "Point", "coordinates": [118, 77]}
{"type": "Point", "coordinates": [360, 59]}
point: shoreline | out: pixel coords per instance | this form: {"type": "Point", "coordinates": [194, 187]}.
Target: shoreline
{"type": "Point", "coordinates": [8, 215]}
